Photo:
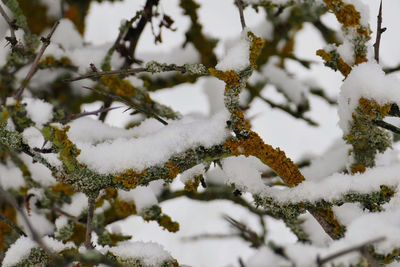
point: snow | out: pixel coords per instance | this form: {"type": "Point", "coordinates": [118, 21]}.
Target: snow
{"type": "Point", "coordinates": [189, 174]}
{"type": "Point", "coordinates": [38, 110]}
{"type": "Point", "coordinates": [346, 52]}
{"type": "Point", "coordinates": [53, 8]}
{"type": "Point", "coordinates": [79, 202]}
{"type": "Point", "coordinates": [120, 154]}
{"type": "Point", "coordinates": [66, 35]}
{"type": "Point", "coordinates": [265, 257]}
{"type": "Point", "coordinates": [336, 185]}
{"type": "Point", "coordinates": [142, 196]}
{"type": "Point", "coordinates": [61, 221]}
{"type": "Point", "coordinates": [18, 251]}
{"type": "Point", "coordinates": [295, 90]}
{"type": "Point", "coordinates": [366, 80]}
{"type": "Point", "coordinates": [244, 173]}
{"type": "Point", "coordinates": [21, 249]}
{"type": "Point", "coordinates": [362, 8]}
{"type": "Point", "coordinates": [151, 254]}
{"type": "Point", "coordinates": [10, 176]}
{"type": "Point", "coordinates": [237, 57]}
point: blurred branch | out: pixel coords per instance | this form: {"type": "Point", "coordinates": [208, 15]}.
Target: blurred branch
{"type": "Point", "coordinates": [245, 232]}
{"type": "Point", "coordinates": [129, 103]}
{"type": "Point", "coordinates": [32, 70]}
{"type": "Point", "coordinates": [387, 126]}
{"type": "Point", "coordinates": [69, 118]}
{"type": "Point", "coordinates": [12, 225]}
{"type": "Point", "coordinates": [360, 248]}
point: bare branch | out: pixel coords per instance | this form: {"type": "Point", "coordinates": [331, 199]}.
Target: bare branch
{"type": "Point", "coordinates": [69, 118]}
{"type": "Point", "coordinates": [387, 126]}
{"type": "Point", "coordinates": [359, 248]}
{"type": "Point", "coordinates": [240, 7]}
{"type": "Point", "coordinates": [379, 31]}
{"type": "Point", "coordinates": [32, 70]}
{"type": "Point", "coordinates": [88, 239]}
{"type": "Point", "coordinates": [129, 103]}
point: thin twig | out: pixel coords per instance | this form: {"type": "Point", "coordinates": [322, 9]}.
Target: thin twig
{"type": "Point", "coordinates": [338, 254]}
{"type": "Point", "coordinates": [379, 31]}
{"type": "Point", "coordinates": [129, 103]}
{"type": "Point", "coordinates": [12, 225]}
{"type": "Point", "coordinates": [88, 239]}
{"type": "Point", "coordinates": [11, 24]}
{"type": "Point", "coordinates": [387, 126]}
{"type": "Point", "coordinates": [69, 118]}
{"type": "Point", "coordinates": [245, 232]}
{"type": "Point", "coordinates": [94, 75]}
{"type": "Point", "coordinates": [240, 7]}
{"type": "Point", "coordinates": [32, 70]}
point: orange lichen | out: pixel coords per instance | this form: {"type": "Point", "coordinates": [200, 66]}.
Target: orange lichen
{"type": "Point", "coordinates": [130, 178]}
{"type": "Point", "coordinates": [4, 116]}
{"type": "Point", "coordinates": [241, 123]}
{"type": "Point", "coordinates": [253, 145]}
{"type": "Point", "coordinates": [63, 188]}
{"type": "Point", "coordinates": [123, 208]}
{"type": "Point", "coordinates": [340, 65]}
{"type": "Point", "coordinates": [343, 67]}
{"type": "Point", "coordinates": [172, 169]}
{"type": "Point", "coordinates": [346, 14]}
{"type": "Point", "coordinates": [256, 47]}
{"type": "Point", "coordinates": [68, 151]}
{"type": "Point", "coordinates": [229, 77]}
{"type": "Point", "coordinates": [166, 222]}
{"type": "Point", "coordinates": [329, 217]}
{"type": "Point", "coordinates": [192, 184]}
{"type": "Point", "coordinates": [118, 86]}
{"type": "Point", "coordinates": [358, 168]}
{"type": "Point", "coordinates": [372, 108]}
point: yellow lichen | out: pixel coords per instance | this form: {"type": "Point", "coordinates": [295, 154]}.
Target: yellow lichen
{"type": "Point", "coordinates": [172, 169]}
{"type": "Point", "coordinates": [358, 168]}
{"type": "Point", "coordinates": [229, 77]}
{"type": "Point", "coordinates": [346, 14]}
{"type": "Point", "coordinates": [63, 188]}
{"type": "Point", "coordinates": [330, 218]}
{"type": "Point", "coordinates": [372, 108]}
{"type": "Point", "coordinates": [166, 222]}
{"type": "Point", "coordinates": [118, 86]}
{"type": "Point", "coordinates": [68, 151]}
{"type": "Point", "coordinates": [253, 145]}
{"type": "Point", "coordinates": [192, 184]}
{"type": "Point", "coordinates": [256, 47]}
{"type": "Point", "coordinates": [130, 178]}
